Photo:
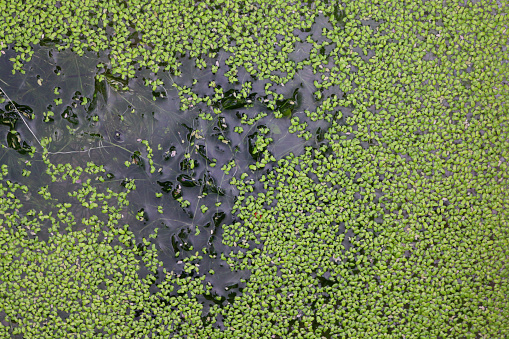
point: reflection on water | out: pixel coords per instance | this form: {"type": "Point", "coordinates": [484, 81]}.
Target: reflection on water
{"type": "Point", "coordinates": [182, 140]}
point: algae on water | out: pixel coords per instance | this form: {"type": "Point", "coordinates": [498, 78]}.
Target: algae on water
{"type": "Point", "coordinates": [277, 169]}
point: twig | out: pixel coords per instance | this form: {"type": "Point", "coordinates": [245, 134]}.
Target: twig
{"type": "Point", "coordinates": [84, 151]}
{"type": "Point", "coordinates": [21, 116]}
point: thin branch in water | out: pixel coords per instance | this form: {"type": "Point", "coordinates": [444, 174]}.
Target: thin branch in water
{"type": "Point", "coordinates": [84, 151]}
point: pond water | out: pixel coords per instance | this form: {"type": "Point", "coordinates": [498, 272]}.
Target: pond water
{"type": "Point", "coordinates": [342, 191]}
{"type": "Point", "coordinates": [107, 121]}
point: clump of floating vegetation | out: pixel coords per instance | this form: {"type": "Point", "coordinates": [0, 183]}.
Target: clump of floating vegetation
{"type": "Point", "coordinates": [222, 169]}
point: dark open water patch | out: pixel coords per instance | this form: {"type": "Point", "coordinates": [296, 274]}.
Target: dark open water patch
{"type": "Point", "coordinates": [181, 161]}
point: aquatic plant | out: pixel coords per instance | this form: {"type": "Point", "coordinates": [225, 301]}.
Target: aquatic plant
{"type": "Point", "coordinates": [303, 170]}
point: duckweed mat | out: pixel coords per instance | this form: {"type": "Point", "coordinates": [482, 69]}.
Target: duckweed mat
{"type": "Point", "coordinates": [253, 169]}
